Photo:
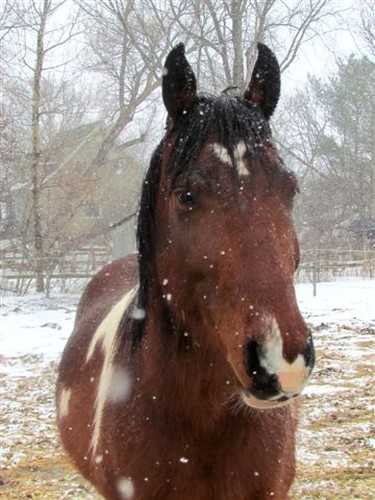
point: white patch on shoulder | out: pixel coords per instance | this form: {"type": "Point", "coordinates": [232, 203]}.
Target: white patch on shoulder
{"type": "Point", "coordinates": [106, 336]}
{"type": "Point", "coordinates": [64, 402]}
{"type": "Point", "coordinates": [292, 376]}
{"type": "Point", "coordinates": [222, 154]}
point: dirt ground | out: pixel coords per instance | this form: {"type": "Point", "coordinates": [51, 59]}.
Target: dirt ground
{"type": "Point", "coordinates": [335, 441]}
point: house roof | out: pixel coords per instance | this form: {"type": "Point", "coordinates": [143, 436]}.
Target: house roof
{"type": "Point", "coordinates": [67, 144]}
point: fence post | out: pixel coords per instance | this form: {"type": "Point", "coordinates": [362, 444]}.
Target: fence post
{"type": "Point", "coordinates": [315, 272]}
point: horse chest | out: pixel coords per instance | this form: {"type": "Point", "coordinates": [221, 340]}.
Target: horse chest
{"type": "Point", "coordinates": [180, 479]}
{"type": "Point", "coordinates": [169, 463]}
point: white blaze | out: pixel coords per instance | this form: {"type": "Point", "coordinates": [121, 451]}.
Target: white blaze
{"type": "Point", "coordinates": [221, 153]}
{"type": "Point", "coordinates": [240, 149]}
{"type": "Point", "coordinates": [291, 376]}
{"type": "Point", "coordinates": [106, 336]}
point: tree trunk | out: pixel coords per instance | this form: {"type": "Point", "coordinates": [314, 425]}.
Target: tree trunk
{"type": "Point", "coordinates": [35, 152]}
{"type": "Point", "coordinates": [237, 26]}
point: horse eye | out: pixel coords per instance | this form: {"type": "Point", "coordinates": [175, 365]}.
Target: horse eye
{"type": "Point", "coordinates": [185, 198]}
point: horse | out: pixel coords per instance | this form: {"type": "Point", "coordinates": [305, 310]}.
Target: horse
{"type": "Point", "coordinates": [180, 378]}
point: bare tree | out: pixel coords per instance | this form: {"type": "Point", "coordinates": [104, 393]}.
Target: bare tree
{"type": "Point", "coordinates": [127, 44]}
{"type": "Point", "coordinates": [128, 41]}
{"type": "Point", "coordinates": [31, 25]}
{"type": "Point", "coordinates": [11, 18]}
{"type": "Point", "coordinates": [367, 26]}
{"type": "Point", "coordinates": [227, 31]}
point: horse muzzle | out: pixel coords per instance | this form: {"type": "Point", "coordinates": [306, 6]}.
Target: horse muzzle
{"type": "Point", "coordinates": [274, 380]}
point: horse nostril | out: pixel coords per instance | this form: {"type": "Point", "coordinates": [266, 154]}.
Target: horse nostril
{"type": "Point", "coordinates": [264, 384]}
{"type": "Point", "coordinates": [252, 364]}
{"type": "Point", "coordinates": [309, 354]}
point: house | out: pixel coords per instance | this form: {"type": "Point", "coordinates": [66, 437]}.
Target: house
{"type": "Point", "coordinates": [80, 197]}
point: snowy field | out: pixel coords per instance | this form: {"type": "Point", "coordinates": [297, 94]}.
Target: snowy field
{"type": "Point", "coordinates": [337, 431]}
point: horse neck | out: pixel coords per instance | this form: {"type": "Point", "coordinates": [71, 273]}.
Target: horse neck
{"type": "Point", "coordinates": [188, 375]}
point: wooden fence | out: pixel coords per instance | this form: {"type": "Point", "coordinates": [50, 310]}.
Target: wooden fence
{"type": "Point", "coordinates": [69, 271]}
{"type": "Point", "coordinates": [322, 265]}
{"type": "Point", "coordinates": [74, 269]}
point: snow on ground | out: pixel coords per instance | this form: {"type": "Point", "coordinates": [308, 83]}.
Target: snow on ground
{"type": "Point", "coordinates": [35, 327]}
{"type": "Point", "coordinates": [336, 436]}
{"type": "Point", "coordinates": [338, 302]}
{"type": "Point", "coordinates": [39, 327]}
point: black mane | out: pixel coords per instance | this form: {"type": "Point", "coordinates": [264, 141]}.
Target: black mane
{"type": "Point", "coordinates": [232, 119]}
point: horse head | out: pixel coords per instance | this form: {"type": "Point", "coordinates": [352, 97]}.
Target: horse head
{"type": "Point", "coordinates": [216, 236]}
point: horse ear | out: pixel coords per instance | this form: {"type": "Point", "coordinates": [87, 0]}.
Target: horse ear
{"type": "Point", "coordinates": [264, 86]}
{"type": "Point", "coordinates": [179, 83]}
